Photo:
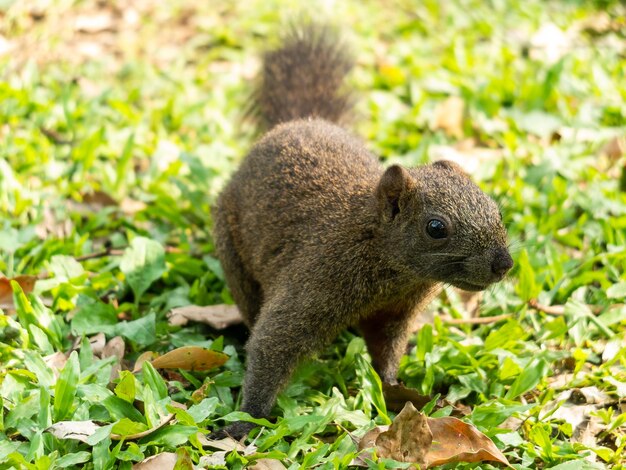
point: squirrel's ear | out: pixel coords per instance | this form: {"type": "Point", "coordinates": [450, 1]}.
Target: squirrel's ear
{"type": "Point", "coordinates": [394, 183]}
{"type": "Point", "coordinates": [449, 165]}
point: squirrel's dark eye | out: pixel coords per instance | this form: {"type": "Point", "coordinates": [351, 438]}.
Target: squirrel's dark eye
{"type": "Point", "coordinates": [436, 229]}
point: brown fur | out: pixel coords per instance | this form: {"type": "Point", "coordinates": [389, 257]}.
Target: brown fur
{"type": "Point", "coordinates": [315, 236]}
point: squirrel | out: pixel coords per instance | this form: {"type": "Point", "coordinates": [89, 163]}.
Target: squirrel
{"type": "Point", "coordinates": [315, 236]}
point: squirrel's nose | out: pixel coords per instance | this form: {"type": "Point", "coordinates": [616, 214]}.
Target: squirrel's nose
{"type": "Point", "coordinates": [502, 262]}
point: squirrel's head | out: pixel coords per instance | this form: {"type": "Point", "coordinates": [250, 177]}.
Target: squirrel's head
{"type": "Point", "coordinates": [453, 231]}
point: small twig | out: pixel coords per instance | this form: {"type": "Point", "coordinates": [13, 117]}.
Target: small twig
{"type": "Point", "coordinates": [120, 252]}
{"type": "Point", "coordinates": [476, 321]}
{"type": "Point", "coordinates": [101, 254]}
{"type": "Point", "coordinates": [555, 310]}
{"type": "Point", "coordinates": [55, 137]}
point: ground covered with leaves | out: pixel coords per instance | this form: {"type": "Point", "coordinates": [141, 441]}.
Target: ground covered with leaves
{"type": "Point", "coordinates": [120, 121]}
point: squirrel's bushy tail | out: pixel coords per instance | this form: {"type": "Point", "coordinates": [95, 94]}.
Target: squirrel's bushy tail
{"type": "Point", "coordinates": [304, 77]}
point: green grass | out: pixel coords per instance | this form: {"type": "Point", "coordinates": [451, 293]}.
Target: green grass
{"type": "Point", "coordinates": [155, 116]}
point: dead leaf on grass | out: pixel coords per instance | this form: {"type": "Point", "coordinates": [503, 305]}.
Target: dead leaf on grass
{"type": "Point", "coordinates": [27, 283]}
{"type": "Point", "coordinates": [143, 357]}
{"type": "Point", "coordinates": [412, 437]}
{"type": "Point", "coordinates": [267, 464]}
{"type": "Point", "coordinates": [457, 441]}
{"type": "Point", "coordinates": [94, 23]}
{"type": "Point", "coordinates": [78, 430]}
{"type": "Point", "coordinates": [162, 461]}
{"type": "Point", "coordinates": [408, 438]}
{"type": "Point", "coordinates": [216, 459]}
{"type": "Point", "coordinates": [190, 358]}
{"type": "Point", "coordinates": [448, 116]}
{"type": "Point", "coordinates": [397, 395]}
{"type": "Point", "coordinates": [227, 444]}
{"type": "Point", "coordinates": [614, 148]}
{"type": "Point", "coordinates": [217, 316]}
{"type": "Point", "coordinates": [468, 157]}
{"type": "Point", "coordinates": [56, 362]}
{"type": "Point", "coordinates": [115, 347]}
{"type": "Point", "coordinates": [97, 343]}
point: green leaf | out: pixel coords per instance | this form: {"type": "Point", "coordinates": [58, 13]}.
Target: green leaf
{"type": "Point", "coordinates": [154, 380]}
{"type": "Point", "coordinates": [532, 374]}
{"type": "Point", "coordinates": [66, 267]}
{"type": "Point", "coordinates": [141, 331]}
{"type": "Point", "coordinates": [69, 460]}
{"type": "Point", "coordinates": [94, 316]}
{"type": "Point", "coordinates": [424, 341]}
{"type": "Point", "coordinates": [65, 388]}
{"type": "Point", "coordinates": [125, 389]}
{"type": "Point", "coordinates": [527, 287]}
{"type": "Point", "coordinates": [617, 291]}
{"type": "Point", "coordinates": [126, 427]}
{"type": "Point", "coordinates": [120, 409]}
{"type": "Point", "coordinates": [142, 264]}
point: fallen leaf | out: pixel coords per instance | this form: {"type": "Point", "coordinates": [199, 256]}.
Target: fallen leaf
{"type": "Point", "coordinates": [468, 158]}
{"type": "Point", "coordinates": [228, 443]}
{"type": "Point", "coordinates": [78, 430]}
{"type": "Point", "coordinates": [457, 441]}
{"type": "Point", "coordinates": [190, 358]}
{"type": "Point", "coordinates": [407, 439]}
{"type": "Point", "coordinates": [412, 437]}
{"type": "Point", "coordinates": [549, 43]}
{"type": "Point", "coordinates": [143, 357]}
{"type": "Point", "coordinates": [614, 148]}
{"type": "Point", "coordinates": [162, 461]}
{"type": "Point", "coordinates": [115, 347]}
{"type": "Point", "coordinates": [94, 23]}
{"type": "Point", "coordinates": [216, 459]}
{"type": "Point", "coordinates": [217, 316]}
{"type": "Point", "coordinates": [470, 301]}
{"type": "Point", "coordinates": [397, 395]}
{"type": "Point", "coordinates": [56, 362]}
{"type": "Point", "coordinates": [27, 283]}
{"type": "Point", "coordinates": [267, 464]}
{"type": "Point", "coordinates": [448, 116]}
{"type": "Point", "coordinates": [97, 343]}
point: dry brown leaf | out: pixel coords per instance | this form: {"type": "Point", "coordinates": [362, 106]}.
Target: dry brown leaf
{"type": "Point", "coordinates": [412, 437]}
{"type": "Point", "coordinates": [143, 357]}
{"type": "Point", "coordinates": [614, 148]}
{"type": "Point", "coordinates": [115, 347]}
{"type": "Point", "coordinates": [407, 439]}
{"type": "Point", "coordinates": [468, 158]}
{"type": "Point", "coordinates": [217, 316]}
{"type": "Point", "coordinates": [457, 441]}
{"type": "Point", "coordinates": [470, 301]}
{"type": "Point", "coordinates": [27, 283]}
{"type": "Point", "coordinates": [97, 343]}
{"type": "Point", "coordinates": [190, 358]}
{"type": "Point", "coordinates": [78, 430]}
{"type": "Point", "coordinates": [216, 459]}
{"type": "Point", "coordinates": [267, 464]}
{"type": "Point", "coordinates": [56, 362]}
{"type": "Point", "coordinates": [162, 461]}
{"type": "Point", "coordinates": [397, 395]}
{"type": "Point", "coordinates": [94, 23]}
{"type": "Point", "coordinates": [448, 116]}
{"type": "Point", "coordinates": [227, 444]}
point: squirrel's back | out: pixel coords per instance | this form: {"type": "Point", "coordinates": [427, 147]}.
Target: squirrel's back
{"type": "Point", "coordinates": [304, 78]}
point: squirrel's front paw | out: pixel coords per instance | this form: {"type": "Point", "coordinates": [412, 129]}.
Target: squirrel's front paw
{"type": "Point", "coordinates": [236, 430]}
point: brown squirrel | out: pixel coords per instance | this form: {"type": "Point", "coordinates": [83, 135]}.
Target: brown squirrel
{"type": "Point", "coordinates": [315, 236]}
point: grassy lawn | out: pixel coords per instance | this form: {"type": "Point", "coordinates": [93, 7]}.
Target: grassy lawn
{"type": "Point", "coordinates": [119, 123]}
